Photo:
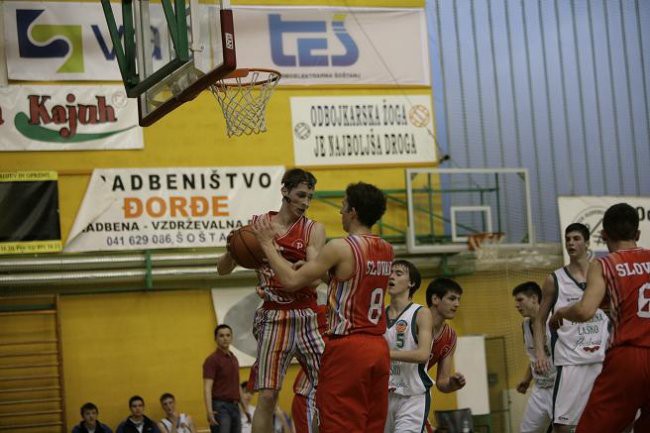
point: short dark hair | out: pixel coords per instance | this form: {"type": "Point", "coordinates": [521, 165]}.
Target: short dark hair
{"type": "Point", "coordinates": [167, 395]}
{"type": "Point", "coordinates": [295, 176]}
{"type": "Point", "coordinates": [88, 406]}
{"type": "Point", "coordinates": [621, 222]}
{"type": "Point", "coordinates": [368, 200]}
{"type": "Point", "coordinates": [244, 384]}
{"type": "Point", "coordinates": [578, 227]}
{"type": "Point", "coordinates": [440, 287]}
{"type": "Point", "coordinates": [135, 398]}
{"type": "Point", "coordinates": [414, 275]}
{"type": "Point", "coordinates": [220, 327]}
{"type": "Point", "coordinates": [529, 288]}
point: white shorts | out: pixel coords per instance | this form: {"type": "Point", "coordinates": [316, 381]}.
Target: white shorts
{"type": "Point", "coordinates": [539, 411]}
{"type": "Point", "coordinates": [407, 414]}
{"type": "Point", "coordinates": [572, 388]}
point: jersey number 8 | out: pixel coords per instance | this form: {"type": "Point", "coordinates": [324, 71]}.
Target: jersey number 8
{"type": "Point", "coordinates": [376, 305]}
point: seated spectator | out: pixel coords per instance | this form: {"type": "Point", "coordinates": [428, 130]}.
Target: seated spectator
{"type": "Point", "coordinates": [138, 422]}
{"type": "Point", "coordinates": [89, 423]}
{"type": "Point", "coordinates": [246, 408]}
{"type": "Point", "coordinates": [173, 422]}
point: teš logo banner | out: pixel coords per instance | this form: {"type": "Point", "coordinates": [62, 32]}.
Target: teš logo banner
{"type": "Point", "coordinates": [69, 41]}
{"type": "Point", "coordinates": [335, 45]}
{"type": "Point", "coordinates": [68, 118]}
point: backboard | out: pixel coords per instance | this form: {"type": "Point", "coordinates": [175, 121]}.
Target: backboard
{"type": "Point", "coordinates": [447, 206]}
{"type": "Point", "coordinates": [171, 50]}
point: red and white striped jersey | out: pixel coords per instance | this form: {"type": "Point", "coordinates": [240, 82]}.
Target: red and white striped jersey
{"type": "Point", "coordinates": [627, 275]}
{"type": "Point", "coordinates": [443, 346]}
{"type": "Point", "coordinates": [293, 247]}
{"type": "Point", "coordinates": [356, 305]}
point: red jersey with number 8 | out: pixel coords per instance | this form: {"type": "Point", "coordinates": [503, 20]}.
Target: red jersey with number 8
{"type": "Point", "coordinates": [356, 305]}
{"type": "Point", "coordinates": [627, 275]}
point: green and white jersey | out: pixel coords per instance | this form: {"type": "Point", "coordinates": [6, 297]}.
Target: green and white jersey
{"type": "Point", "coordinates": [577, 343]}
{"type": "Point", "coordinates": [406, 378]}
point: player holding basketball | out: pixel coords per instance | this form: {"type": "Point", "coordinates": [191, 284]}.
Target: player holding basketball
{"type": "Point", "coordinates": [286, 324]}
{"type": "Point", "coordinates": [539, 410]}
{"type": "Point", "coordinates": [409, 340]}
{"type": "Point", "coordinates": [352, 393]}
{"type": "Point", "coordinates": [578, 349]}
{"type": "Point", "coordinates": [623, 276]}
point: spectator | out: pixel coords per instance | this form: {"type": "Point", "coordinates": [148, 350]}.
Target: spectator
{"type": "Point", "coordinates": [246, 409]}
{"type": "Point", "coordinates": [173, 422]}
{"type": "Point", "coordinates": [221, 385]}
{"type": "Point", "coordinates": [281, 421]}
{"type": "Point", "coordinates": [89, 423]}
{"type": "Point", "coordinates": [138, 422]}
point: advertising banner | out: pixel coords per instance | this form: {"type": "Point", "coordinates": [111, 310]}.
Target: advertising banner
{"type": "Point", "coordinates": [58, 41]}
{"type": "Point", "coordinates": [357, 46]}
{"type": "Point", "coordinates": [29, 216]}
{"type": "Point", "coordinates": [589, 211]}
{"type": "Point", "coordinates": [354, 130]}
{"type": "Point", "coordinates": [68, 118]}
{"type": "Point", "coordinates": [152, 208]}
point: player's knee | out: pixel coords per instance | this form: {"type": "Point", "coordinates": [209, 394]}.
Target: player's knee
{"type": "Point", "coordinates": [267, 398]}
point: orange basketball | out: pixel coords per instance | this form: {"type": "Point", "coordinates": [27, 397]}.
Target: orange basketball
{"type": "Point", "coordinates": [245, 249]}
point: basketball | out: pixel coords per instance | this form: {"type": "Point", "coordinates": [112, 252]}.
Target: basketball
{"type": "Point", "coordinates": [245, 249]}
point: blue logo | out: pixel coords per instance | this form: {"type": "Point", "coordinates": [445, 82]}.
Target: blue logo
{"type": "Point", "coordinates": [305, 46]}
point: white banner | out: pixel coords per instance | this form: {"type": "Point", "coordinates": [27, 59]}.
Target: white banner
{"type": "Point", "coordinates": [68, 118]}
{"type": "Point", "coordinates": [311, 46]}
{"type": "Point", "coordinates": [152, 208]}
{"type": "Point", "coordinates": [589, 211]}
{"type": "Point", "coordinates": [58, 41]}
{"type": "Point", "coordinates": [354, 130]}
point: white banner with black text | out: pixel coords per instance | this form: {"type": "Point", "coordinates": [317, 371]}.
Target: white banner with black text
{"type": "Point", "coordinates": [152, 208]}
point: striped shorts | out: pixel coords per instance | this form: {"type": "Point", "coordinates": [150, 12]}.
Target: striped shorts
{"type": "Point", "coordinates": [281, 335]}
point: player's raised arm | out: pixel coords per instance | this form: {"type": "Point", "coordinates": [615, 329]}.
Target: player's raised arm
{"type": "Point", "coordinates": [225, 263]}
{"type": "Point", "coordinates": [549, 294]}
{"type": "Point", "coordinates": [424, 322]}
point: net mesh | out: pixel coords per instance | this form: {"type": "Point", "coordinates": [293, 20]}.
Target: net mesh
{"type": "Point", "coordinates": [243, 97]}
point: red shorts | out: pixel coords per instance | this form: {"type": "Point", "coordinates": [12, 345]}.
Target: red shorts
{"type": "Point", "coordinates": [352, 393]}
{"type": "Point", "coordinates": [299, 413]}
{"type": "Point", "coordinates": [622, 388]}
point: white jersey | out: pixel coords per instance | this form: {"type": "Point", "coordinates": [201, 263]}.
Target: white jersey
{"type": "Point", "coordinates": [406, 378]}
{"type": "Point", "coordinates": [182, 426]}
{"type": "Point", "coordinates": [546, 380]}
{"type": "Point", "coordinates": [577, 343]}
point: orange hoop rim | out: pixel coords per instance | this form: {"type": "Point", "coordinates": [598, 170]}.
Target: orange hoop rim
{"type": "Point", "coordinates": [244, 72]}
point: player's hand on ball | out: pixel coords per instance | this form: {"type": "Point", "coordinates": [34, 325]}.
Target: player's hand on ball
{"type": "Point", "coordinates": [264, 230]}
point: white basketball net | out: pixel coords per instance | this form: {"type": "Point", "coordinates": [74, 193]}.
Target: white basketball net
{"type": "Point", "coordinates": [243, 97]}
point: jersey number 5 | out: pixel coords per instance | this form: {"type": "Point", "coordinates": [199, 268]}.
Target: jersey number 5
{"type": "Point", "coordinates": [376, 305]}
{"type": "Point", "coordinates": [644, 301]}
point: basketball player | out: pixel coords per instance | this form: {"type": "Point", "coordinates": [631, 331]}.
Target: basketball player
{"type": "Point", "coordinates": [624, 276]}
{"type": "Point", "coordinates": [352, 392]}
{"type": "Point", "coordinates": [443, 300]}
{"type": "Point", "coordinates": [539, 411]}
{"type": "Point", "coordinates": [578, 349]}
{"type": "Point", "coordinates": [409, 340]}
{"type": "Point", "coordinates": [286, 323]}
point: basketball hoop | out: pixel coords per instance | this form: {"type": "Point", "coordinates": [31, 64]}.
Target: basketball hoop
{"type": "Point", "coordinates": [485, 244]}
{"type": "Point", "coordinates": [243, 96]}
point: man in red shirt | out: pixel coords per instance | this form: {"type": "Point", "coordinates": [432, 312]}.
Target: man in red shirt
{"type": "Point", "coordinates": [352, 390]}
{"type": "Point", "coordinates": [624, 278]}
{"type": "Point", "coordinates": [221, 385]}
